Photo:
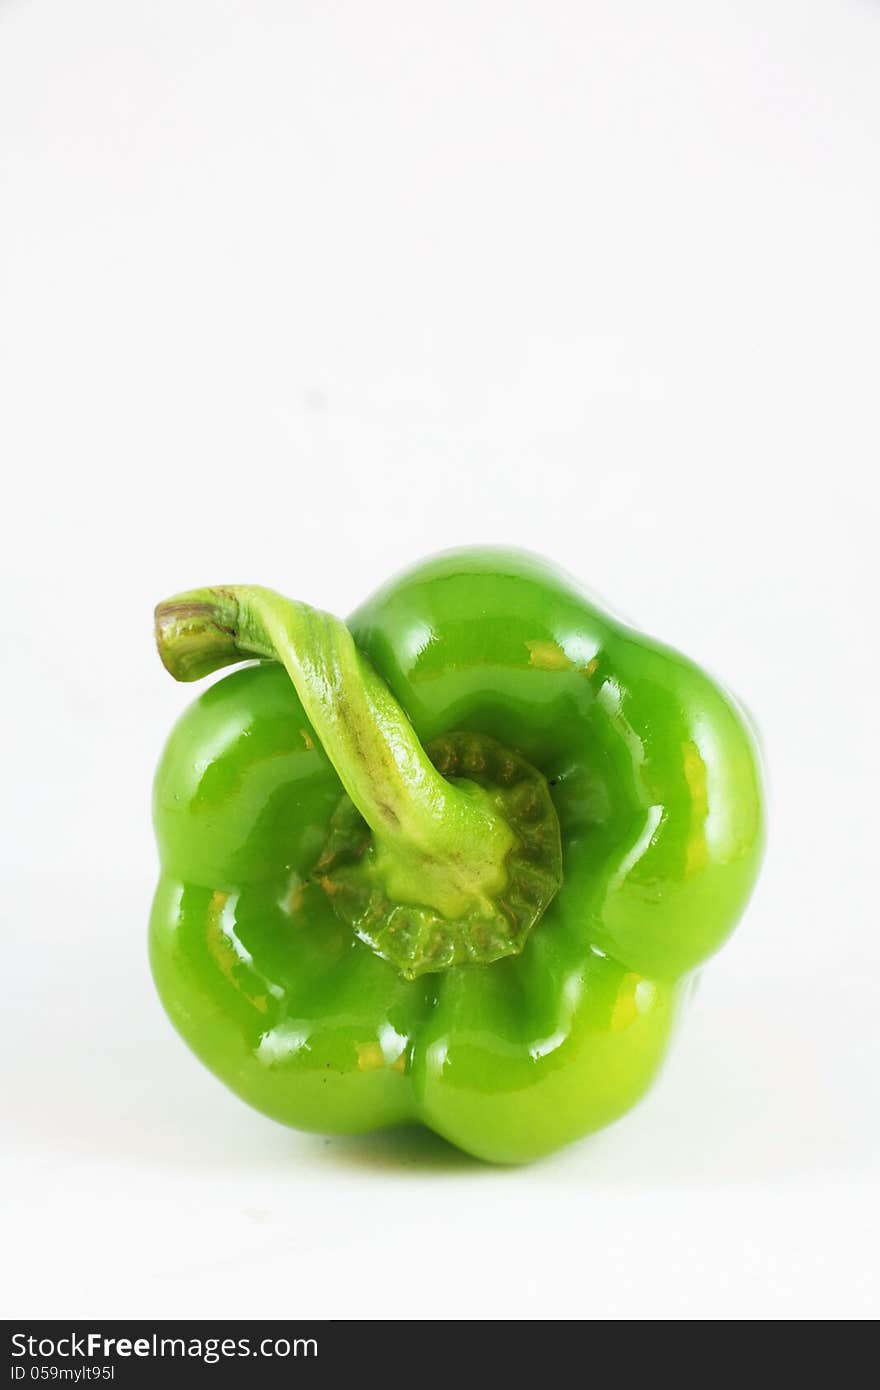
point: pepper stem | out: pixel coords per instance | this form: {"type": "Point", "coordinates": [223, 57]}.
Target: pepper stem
{"type": "Point", "coordinates": [436, 844]}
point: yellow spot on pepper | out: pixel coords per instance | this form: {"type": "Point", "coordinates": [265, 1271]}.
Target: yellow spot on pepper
{"type": "Point", "coordinates": [297, 898]}
{"type": "Point", "coordinates": [223, 952]}
{"type": "Point", "coordinates": [635, 997]}
{"type": "Point", "coordinates": [548, 656]}
{"type": "Point", "coordinates": [370, 1056]}
{"type": "Point", "coordinates": [694, 768]}
{"type": "Point", "coordinates": [329, 886]}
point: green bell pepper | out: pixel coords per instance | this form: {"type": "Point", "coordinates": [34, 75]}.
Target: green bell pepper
{"type": "Point", "coordinates": [454, 862]}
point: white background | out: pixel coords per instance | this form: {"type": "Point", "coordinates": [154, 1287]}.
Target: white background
{"type": "Point", "coordinates": [295, 293]}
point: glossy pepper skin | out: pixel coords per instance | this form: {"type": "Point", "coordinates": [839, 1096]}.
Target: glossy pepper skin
{"type": "Point", "coordinates": [654, 777]}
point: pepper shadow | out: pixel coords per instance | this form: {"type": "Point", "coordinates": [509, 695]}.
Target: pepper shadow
{"type": "Point", "coordinates": [403, 1147]}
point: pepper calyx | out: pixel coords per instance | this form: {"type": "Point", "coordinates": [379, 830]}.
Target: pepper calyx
{"type": "Point", "coordinates": [389, 911]}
